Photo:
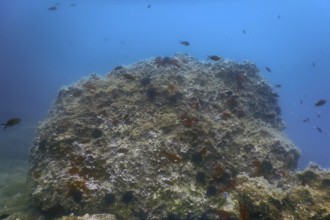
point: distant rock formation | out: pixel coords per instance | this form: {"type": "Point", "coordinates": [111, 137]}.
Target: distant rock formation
{"type": "Point", "coordinates": [170, 138]}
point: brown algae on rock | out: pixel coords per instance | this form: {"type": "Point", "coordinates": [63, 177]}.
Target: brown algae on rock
{"type": "Point", "coordinates": [170, 138]}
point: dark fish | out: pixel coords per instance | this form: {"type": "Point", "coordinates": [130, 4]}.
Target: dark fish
{"type": "Point", "coordinates": [73, 4]}
{"type": "Point", "coordinates": [268, 69]}
{"type": "Point", "coordinates": [278, 16]}
{"type": "Point", "coordinates": [244, 31]}
{"type": "Point", "coordinates": [320, 103]}
{"type": "Point", "coordinates": [53, 8]}
{"type": "Point", "coordinates": [313, 64]}
{"type": "Point", "coordinates": [275, 94]}
{"type": "Point", "coordinates": [118, 68]}
{"type": "Point", "coordinates": [318, 115]}
{"type": "Point", "coordinates": [11, 122]}
{"type": "Point", "coordinates": [301, 101]}
{"type": "Point", "coordinates": [149, 6]}
{"type": "Point", "coordinates": [305, 120]}
{"type": "Point", "coordinates": [319, 129]}
{"type": "Point", "coordinates": [185, 43]}
{"type": "Point", "coordinates": [278, 85]}
{"type": "Point", "coordinates": [214, 57]}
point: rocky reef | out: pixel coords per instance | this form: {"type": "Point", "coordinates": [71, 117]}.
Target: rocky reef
{"type": "Point", "coordinates": [172, 138]}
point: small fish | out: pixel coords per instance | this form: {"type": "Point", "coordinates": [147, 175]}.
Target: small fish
{"type": "Point", "coordinates": [214, 58]}
{"type": "Point", "coordinates": [268, 69]}
{"type": "Point", "coordinates": [185, 43]}
{"type": "Point", "coordinates": [149, 6]}
{"type": "Point", "coordinates": [244, 31]}
{"type": "Point", "coordinates": [301, 101]}
{"type": "Point", "coordinates": [313, 64]}
{"type": "Point", "coordinates": [320, 103]}
{"type": "Point", "coordinates": [318, 115]}
{"type": "Point", "coordinates": [278, 16]}
{"type": "Point", "coordinates": [305, 120]}
{"type": "Point", "coordinates": [11, 122]}
{"type": "Point", "coordinates": [319, 129]}
{"type": "Point", "coordinates": [53, 8]}
{"type": "Point", "coordinates": [73, 4]}
{"type": "Point", "coordinates": [278, 85]}
{"type": "Point", "coordinates": [118, 68]}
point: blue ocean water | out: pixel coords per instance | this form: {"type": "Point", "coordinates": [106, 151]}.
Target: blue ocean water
{"type": "Point", "coordinates": [42, 50]}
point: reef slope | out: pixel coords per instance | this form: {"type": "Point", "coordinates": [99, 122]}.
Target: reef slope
{"type": "Point", "coordinates": [166, 138]}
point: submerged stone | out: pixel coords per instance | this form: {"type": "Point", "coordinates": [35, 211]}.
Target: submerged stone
{"type": "Point", "coordinates": [181, 144]}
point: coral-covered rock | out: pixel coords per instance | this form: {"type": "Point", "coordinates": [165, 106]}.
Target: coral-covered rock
{"type": "Point", "coordinates": [167, 138]}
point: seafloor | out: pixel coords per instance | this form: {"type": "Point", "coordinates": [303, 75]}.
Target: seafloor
{"type": "Point", "coordinates": [167, 138]}
{"type": "Point", "coordinates": [13, 189]}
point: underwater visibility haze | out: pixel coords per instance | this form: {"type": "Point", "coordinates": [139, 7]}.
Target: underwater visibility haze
{"type": "Point", "coordinates": [43, 50]}
{"type": "Point", "coordinates": [47, 45]}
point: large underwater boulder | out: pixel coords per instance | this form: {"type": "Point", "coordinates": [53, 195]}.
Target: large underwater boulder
{"type": "Point", "coordinates": [165, 138]}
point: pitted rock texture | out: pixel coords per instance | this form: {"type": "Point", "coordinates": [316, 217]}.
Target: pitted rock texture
{"type": "Point", "coordinates": [165, 138]}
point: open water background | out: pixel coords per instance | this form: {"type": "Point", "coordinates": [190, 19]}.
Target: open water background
{"type": "Point", "coordinates": [43, 50]}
